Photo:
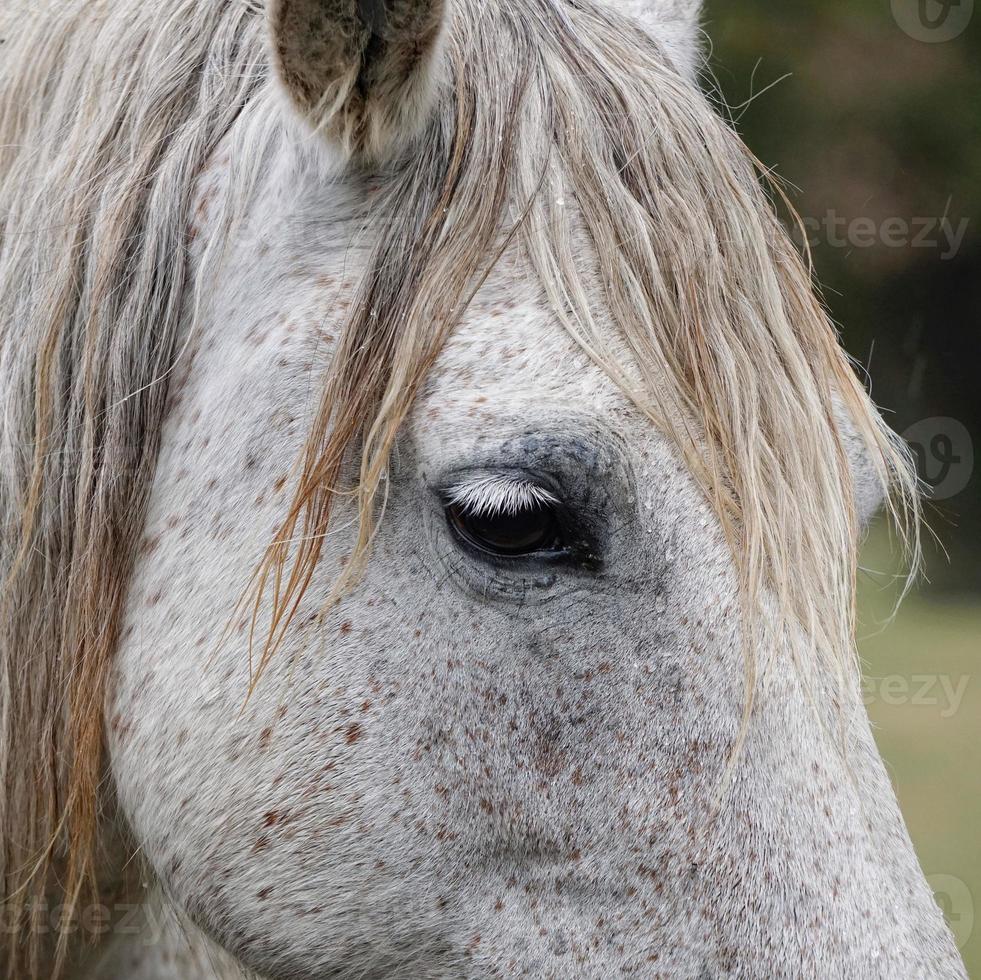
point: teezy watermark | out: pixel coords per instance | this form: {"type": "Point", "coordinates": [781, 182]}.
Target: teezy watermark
{"type": "Point", "coordinates": [939, 691]}
{"type": "Point", "coordinates": [933, 21]}
{"type": "Point", "coordinates": [145, 921]}
{"type": "Point", "coordinates": [945, 234]}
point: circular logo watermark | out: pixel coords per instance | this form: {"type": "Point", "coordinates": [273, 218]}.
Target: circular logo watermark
{"type": "Point", "coordinates": [933, 21]}
{"type": "Point", "coordinates": [944, 455]}
{"type": "Point", "coordinates": [954, 897]}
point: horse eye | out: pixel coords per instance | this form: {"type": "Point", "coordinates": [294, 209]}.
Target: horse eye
{"type": "Point", "coordinates": [527, 531]}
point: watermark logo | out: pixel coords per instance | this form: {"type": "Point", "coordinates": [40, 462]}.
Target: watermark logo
{"type": "Point", "coordinates": [944, 453]}
{"type": "Point", "coordinates": [945, 235]}
{"type": "Point", "coordinates": [941, 691]}
{"type": "Point", "coordinates": [147, 921]}
{"type": "Point", "coordinates": [955, 899]}
{"type": "Point", "coordinates": [933, 21]}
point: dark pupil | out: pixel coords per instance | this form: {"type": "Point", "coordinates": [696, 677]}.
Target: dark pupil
{"type": "Point", "coordinates": [523, 533]}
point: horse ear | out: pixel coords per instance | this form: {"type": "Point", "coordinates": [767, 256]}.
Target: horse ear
{"type": "Point", "coordinates": [363, 72]}
{"type": "Point", "coordinates": [676, 24]}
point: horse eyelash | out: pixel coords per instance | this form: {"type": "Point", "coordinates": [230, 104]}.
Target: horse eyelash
{"type": "Point", "coordinates": [490, 496]}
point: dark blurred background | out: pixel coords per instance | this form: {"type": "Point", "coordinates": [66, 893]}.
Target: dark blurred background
{"type": "Point", "coordinates": [870, 110]}
{"type": "Point", "coordinates": [876, 125]}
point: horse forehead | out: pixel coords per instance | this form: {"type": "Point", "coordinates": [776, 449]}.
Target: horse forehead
{"type": "Point", "coordinates": [510, 357]}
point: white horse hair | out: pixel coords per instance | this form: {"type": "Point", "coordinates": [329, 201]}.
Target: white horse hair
{"type": "Point", "coordinates": [291, 293]}
{"type": "Point", "coordinates": [499, 494]}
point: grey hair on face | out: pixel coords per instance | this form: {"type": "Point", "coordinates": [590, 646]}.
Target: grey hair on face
{"type": "Point", "coordinates": [560, 128]}
{"type": "Point", "coordinates": [108, 114]}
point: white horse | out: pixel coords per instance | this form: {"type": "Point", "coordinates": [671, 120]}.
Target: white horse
{"type": "Point", "coordinates": [430, 496]}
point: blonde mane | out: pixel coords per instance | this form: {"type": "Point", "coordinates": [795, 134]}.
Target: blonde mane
{"type": "Point", "coordinates": [562, 123]}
